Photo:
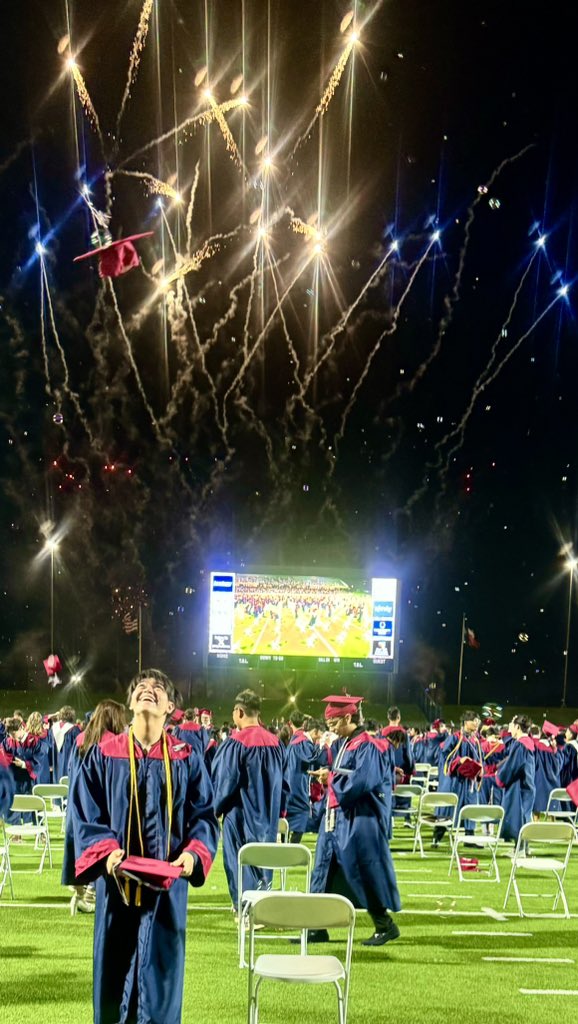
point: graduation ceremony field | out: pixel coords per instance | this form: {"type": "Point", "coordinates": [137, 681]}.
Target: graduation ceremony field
{"type": "Point", "coordinates": [458, 958]}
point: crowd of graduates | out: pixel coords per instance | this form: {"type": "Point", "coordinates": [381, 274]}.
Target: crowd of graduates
{"type": "Point", "coordinates": [146, 799]}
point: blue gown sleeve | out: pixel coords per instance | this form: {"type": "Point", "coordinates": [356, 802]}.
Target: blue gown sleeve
{"type": "Point", "coordinates": [94, 838]}
{"type": "Point", "coordinates": [226, 776]}
{"type": "Point", "coordinates": [511, 770]}
{"type": "Point", "coordinates": [367, 775]}
{"type": "Point", "coordinates": [201, 827]}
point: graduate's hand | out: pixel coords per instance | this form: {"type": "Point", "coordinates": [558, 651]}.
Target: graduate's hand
{"type": "Point", "coordinates": [113, 860]}
{"type": "Point", "coordinates": [186, 861]}
{"type": "Point", "coordinates": [19, 762]}
{"type": "Point", "coordinates": [322, 774]}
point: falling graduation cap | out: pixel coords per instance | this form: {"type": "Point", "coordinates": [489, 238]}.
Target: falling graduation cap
{"type": "Point", "coordinates": [114, 257]}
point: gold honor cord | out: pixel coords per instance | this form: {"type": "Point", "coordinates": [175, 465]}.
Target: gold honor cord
{"type": "Point", "coordinates": [480, 758]}
{"type": "Point", "coordinates": [135, 803]}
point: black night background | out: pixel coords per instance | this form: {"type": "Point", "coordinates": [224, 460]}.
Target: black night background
{"type": "Point", "coordinates": [218, 421]}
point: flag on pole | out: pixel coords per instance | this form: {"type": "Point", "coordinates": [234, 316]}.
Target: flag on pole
{"type": "Point", "coordinates": [129, 623]}
{"type": "Point", "coordinates": [471, 639]}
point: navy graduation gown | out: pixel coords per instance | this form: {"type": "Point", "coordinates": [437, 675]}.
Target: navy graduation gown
{"type": "Point", "coordinates": [302, 755]}
{"type": "Point", "coordinates": [458, 745]}
{"type": "Point", "coordinates": [62, 739]}
{"type": "Point", "coordinates": [6, 790]}
{"type": "Point", "coordinates": [516, 777]}
{"type": "Point", "coordinates": [139, 950]}
{"type": "Point", "coordinates": [361, 788]}
{"type": "Point", "coordinates": [547, 775]}
{"type": "Point", "coordinates": [194, 735]}
{"type": "Point", "coordinates": [248, 777]}
{"type": "Point", "coordinates": [569, 763]}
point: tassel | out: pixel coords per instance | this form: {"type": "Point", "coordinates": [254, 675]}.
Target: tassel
{"type": "Point", "coordinates": [137, 898]}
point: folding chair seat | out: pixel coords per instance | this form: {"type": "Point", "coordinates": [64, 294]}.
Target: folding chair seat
{"type": "Point", "coordinates": [288, 911]}
{"type": "Point", "coordinates": [37, 831]}
{"type": "Point", "coordinates": [268, 856]}
{"type": "Point", "coordinates": [412, 792]}
{"type": "Point", "coordinates": [427, 818]}
{"type": "Point", "coordinates": [433, 778]}
{"type": "Point", "coordinates": [486, 815]}
{"type": "Point", "coordinates": [552, 834]}
{"type": "Point", "coordinates": [568, 813]}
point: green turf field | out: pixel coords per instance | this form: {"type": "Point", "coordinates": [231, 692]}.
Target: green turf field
{"type": "Point", "coordinates": [340, 635]}
{"type": "Point", "coordinates": [434, 973]}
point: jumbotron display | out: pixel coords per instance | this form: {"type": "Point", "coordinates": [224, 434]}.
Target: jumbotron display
{"type": "Point", "coordinates": [303, 621]}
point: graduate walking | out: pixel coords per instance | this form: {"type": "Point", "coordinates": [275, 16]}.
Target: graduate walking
{"type": "Point", "coordinates": [352, 855]}
{"type": "Point", "coordinates": [147, 795]}
{"type": "Point", "coordinates": [248, 777]}
{"type": "Point", "coordinates": [516, 777]}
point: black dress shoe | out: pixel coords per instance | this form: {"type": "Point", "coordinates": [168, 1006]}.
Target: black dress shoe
{"type": "Point", "coordinates": [314, 935]}
{"type": "Point", "coordinates": [380, 938]}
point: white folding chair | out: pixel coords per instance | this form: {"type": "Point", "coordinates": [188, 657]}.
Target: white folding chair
{"type": "Point", "coordinates": [5, 867]}
{"type": "Point", "coordinates": [421, 772]}
{"type": "Point", "coordinates": [38, 830]}
{"type": "Point", "coordinates": [550, 834]}
{"type": "Point", "coordinates": [64, 781]}
{"type": "Point", "coordinates": [570, 814]}
{"type": "Point", "coordinates": [490, 816]}
{"type": "Point", "coordinates": [412, 792]}
{"type": "Point", "coordinates": [57, 794]}
{"type": "Point", "coordinates": [427, 817]}
{"type": "Point", "coordinates": [268, 856]}
{"type": "Point", "coordinates": [290, 910]}
{"type": "Point", "coordinates": [433, 777]}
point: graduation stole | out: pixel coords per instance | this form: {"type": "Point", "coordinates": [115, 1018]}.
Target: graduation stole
{"type": "Point", "coordinates": [475, 740]}
{"type": "Point", "coordinates": [134, 803]}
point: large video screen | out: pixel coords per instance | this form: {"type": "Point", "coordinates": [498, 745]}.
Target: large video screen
{"type": "Point", "coordinates": [303, 621]}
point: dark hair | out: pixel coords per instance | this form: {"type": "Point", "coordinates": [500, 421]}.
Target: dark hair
{"type": "Point", "coordinates": [108, 716]}
{"type": "Point", "coordinates": [393, 712]}
{"type": "Point", "coordinates": [159, 677]}
{"type": "Point", "coordinates": [13, 724]}
{"type": "Point", "coordinates": [314, 723]}
{"type": "Point", "coordinates": [284, 735]}
{"type": "Point", "coordinates": [18, 714]}
{"type": "Point", "coordinates": [357, 718]}
{"type": "Point", "coordinates": [296, 719]}
{"type": "Point", "coordinates": [371, 725]}
{"type": "Point", "coordinates": [190, 715]}
{"type": "Point", "coordinates": [524, 722]}
{"type": "Point", "coordinates": [468, 716]}
{"type": "Point", "coordinates": [396, 737]}
{"type": "Point", "coordinates": [67, 714]}
{"type": "Point", "coordinates": [249, 701]}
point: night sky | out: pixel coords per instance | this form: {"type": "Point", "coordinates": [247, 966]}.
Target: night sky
{"type": "Point", "coordinates": [432, 437]}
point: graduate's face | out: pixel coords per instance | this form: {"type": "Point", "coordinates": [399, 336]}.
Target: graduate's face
{"type": "Point", "coordinates": [151, 697]}
{"type": "Point", "coordinates": [340, 726]}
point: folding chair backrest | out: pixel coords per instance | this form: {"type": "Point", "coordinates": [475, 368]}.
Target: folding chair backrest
{"type": "Point", "coordinates": [558, 794]}
{"type": "Point", "coordinates": [64, 781]}
{"type": "Point", "coordinates": [28, 803]}
{"type": "Point", "coordinates": [546, 832]}
{"type": "Point", "coordinates": [422, 769]}
{"type": "Point", "coordinates": [274, 855]}
{"type": "Point", "coordinates": [408, 790]}
{"type": "Point", "coordinates": [50, 791]}
{"type": "Point", "coordinates": [290, 910]}
{"type": "Point", "coordinates": [484, 813]}
{"type": "Point", "coordinates": [430, 801]}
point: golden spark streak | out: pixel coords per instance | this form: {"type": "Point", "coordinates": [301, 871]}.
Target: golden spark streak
{"type": "Point", "coordinates": [154, 185]}
{"type": "Point", "coordinates": [335, 77]}
{"type": "Point", "coordinates": [194, 263]}
{"type": "Point", "coordinates": [309, 230]}
{"type": "Point", "coordinates": [135, 54]}
{"type": "Point", "coordinates": [217, 111]}
{"type": "Point", "coordinates": [84, 95]}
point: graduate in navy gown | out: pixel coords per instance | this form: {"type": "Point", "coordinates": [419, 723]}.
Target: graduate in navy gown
{"type": "Point", "coordinates": [6, 787]}
{"type": "Point", "coordinates": [352, 855]}
{"type": "Point", "coordinates": [191, 732]}
{"type": "Point", "coordinates": [249, 781]}
{"type": "Point", "coordinates": [21, 758]}
{"type": "Point", "coordinates": [147, 794]}
{"type": "Point", "coordinates": [547, 765]}
{"type": "Point", "coordinates": [459, 754]}
{"type": "Point", "coordinates": [38, 739]}
{"type": "Point", "coordinates": [62, 740]}
{"type": "Point", "coordinates": [108, 718]}
{"type": "Point", "coordinates": [569, 757]}
{"type": "Point", "coordinates": [303, 755]}
{"type": "Point", "coordinates": [516, 777]}
{"type": "Point", "coordinates": [494, 753]}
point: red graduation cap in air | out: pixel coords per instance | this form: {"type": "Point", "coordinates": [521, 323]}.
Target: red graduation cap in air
{"type": "Point", "coordinates": [156, 874]}
{"type": "Point", "coordinates": [177, 715]}
{"type": "Point", "coordinates": [338, 706]}
{"type": "Point", "coordinates": [53, 666]}
{"type": "Point", "coordinates": [549, 729]}
{"type": "Point", "coordinates": [116, 258]}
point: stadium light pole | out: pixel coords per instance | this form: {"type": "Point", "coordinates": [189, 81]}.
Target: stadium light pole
{"type": "Point", "coordinates": [51, 547]}
{"type": "Point", "coordinates": [570, 565]}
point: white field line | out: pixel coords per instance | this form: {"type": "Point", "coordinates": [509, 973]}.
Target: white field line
{"type": "Point", "coordinates": [494, 914]}
{"type": "Point", "coordinates": [437, 895]}
{"type": "Point", "coordinates": [549, 991]}
{"type": "Point", "coordinates": [518, 935]}
{"type": "Point", "coordinates": [528, 960]}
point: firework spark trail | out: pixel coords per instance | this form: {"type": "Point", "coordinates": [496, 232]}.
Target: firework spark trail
{"type": "Point", "coordinates": [66, 382]}
{"type": "Point", "coordinates": [300, 227]}
{"type": "Point", "coordinates": [241, 372]}
{"type": "Point", "coordinates": [48, 383]}
{"type": "Point", "coordinates": [158, 433]}
{"type": "Point", "coordinates": [230, 143]}
{"type": "Point", "coordinates": [191, 207]}
{"type": "Point", "coordinates": [194, 263]}
{"type": "Point", "coordinates": [334, 333]}
{"type": "Point", "coordinates": [253, 278]}
{"type": "Point", "coordinates": [384, 334]}
{"type": "Point", "coordinates": [205, 118]}
{"type": "Point", "coordinates": [450, 301]}
{"type": "Point", "coordinates": [84, 97]}
{"type": "Point", "coordinates": [329, 92]}
{"type": "Point", "coordinates": [229, 312]}
{"type": "Point", "coordinates": [481, 386]}
{"type": "Point", "coordinates": [154, 185]}
{"type": "Point", "coordinates": [138, 46]}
